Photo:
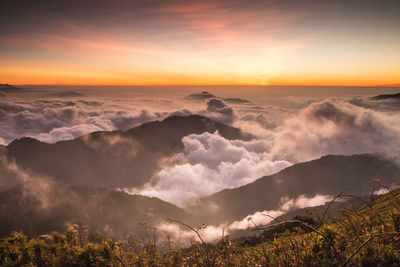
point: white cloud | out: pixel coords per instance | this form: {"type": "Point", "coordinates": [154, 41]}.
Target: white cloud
{"type": "Point", "coordinates": [56, 120]}
{"type": "Point", "coordinates": [209, 164]}
{"type": "Point", "coordinates": [336, 127]}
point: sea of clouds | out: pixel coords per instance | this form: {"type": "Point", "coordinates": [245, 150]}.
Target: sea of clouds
{"type": "Point", "coordinates": [210, 163]}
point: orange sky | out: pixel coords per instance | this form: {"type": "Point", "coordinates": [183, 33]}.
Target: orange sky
{"type": "Point", "coordinates": [190, 42]}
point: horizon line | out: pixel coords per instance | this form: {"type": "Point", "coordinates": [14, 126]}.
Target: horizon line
{"type": "Point", "coordinates": [181, 85]}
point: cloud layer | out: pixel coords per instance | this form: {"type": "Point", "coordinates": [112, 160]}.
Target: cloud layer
{"type": "Point", "coordinates": [51, 120]}
{"type": "Point", "coordinates": [210, 163]}
{"type": "Point", "coordinates": [336, 127]}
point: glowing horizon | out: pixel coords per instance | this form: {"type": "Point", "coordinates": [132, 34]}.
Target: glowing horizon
{"type": "Point", "coordinates": [276, 42]}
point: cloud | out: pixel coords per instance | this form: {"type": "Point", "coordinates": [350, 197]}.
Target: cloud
{"type": "Point", "coordinates": [51, 120]}
{"type": "Point", "coordinates": [285, 136]}
{"type": "Point", "coordinates": [67, 133]}
{"type": "Point", "coordinates": [209, 164]}
{"type": "Point", "coordinates": [124, 121]}
{"type": "Point", "coordinates": [55, 120]}
{"type": "Point", "coordinates": [9, 177]}
{"type": "Point", "coordinates": [261, 119]}
{"type": "Point", "coordinates": [336, 127]}
{"type": "Point", "coordinates": [265, 217]}
{"type": "Point", "coordinates": [218, 109]}
{"type": "Point", "coordinates": [182, 236]}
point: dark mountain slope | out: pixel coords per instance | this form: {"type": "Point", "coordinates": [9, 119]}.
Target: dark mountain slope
{"type": "Point", "coordinates": [114, 159]}
{"type": "Point", "coordinates": [328, 175]}
{"type": "Point", "coordinates": [39, 207]}
{"type": "Point", "coordinates": [386, 96]}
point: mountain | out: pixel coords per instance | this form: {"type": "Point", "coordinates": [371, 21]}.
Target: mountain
{"type": "Point", "coordinates": [386, 96]}
{"type": "Point", "coordinates": [39, 207]}
{"type": "Point", "coordinates": [8, 88]}
{"type": "Point", "coordinates": [206, 96]}
{"type": "Point", "coordinates": [200, 96]}
{"type": "Point", "coordinates": [113, 159]}
{"type": "Point", "coordinates": [328, 175]}
{"type": "Point", "coordinates": [236, 100]}
{"type": "Point", "coordinates": [66, 93]}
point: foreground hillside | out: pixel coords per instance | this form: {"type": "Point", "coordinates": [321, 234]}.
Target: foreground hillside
{"type": "Point", "coordinates": [38, 206]}
{"type": "Point", "coordinates": [369, 237]}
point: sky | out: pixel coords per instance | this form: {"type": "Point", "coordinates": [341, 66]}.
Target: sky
{"type": "Point", "coordinates": [176, 42]}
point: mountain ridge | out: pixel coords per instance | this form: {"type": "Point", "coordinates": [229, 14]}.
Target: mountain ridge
{"type": "Point", "coordinates": [116, 158]}
{"type": "Point", "coordinates": [327, 175]}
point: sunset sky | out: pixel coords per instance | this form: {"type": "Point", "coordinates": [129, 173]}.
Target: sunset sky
{"type": "Point", "coordinates": [169, 42]}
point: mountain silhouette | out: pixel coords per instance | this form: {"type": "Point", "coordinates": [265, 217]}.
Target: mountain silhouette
{"type": "Point", "coordinates": [66, 94]}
